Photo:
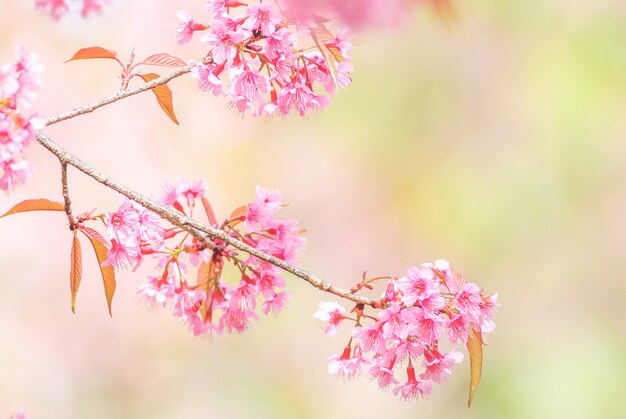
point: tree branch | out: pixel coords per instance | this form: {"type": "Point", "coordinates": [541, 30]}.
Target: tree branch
{"type": "Point", "coordinates": [66, 196]}
{"type": "Point", "coordinates": [199, 230]}
{"type": "Point", "coordinates": [122, 94]}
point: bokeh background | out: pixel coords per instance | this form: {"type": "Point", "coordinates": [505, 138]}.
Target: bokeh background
{"type": "Point", "coordinates": [498, 143]}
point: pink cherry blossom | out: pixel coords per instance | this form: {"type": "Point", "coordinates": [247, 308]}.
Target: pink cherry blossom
{"type": "Point", "coordinates": [123, 255]}
{"type": "Point", "coordinates": [187, 27]}
{"type": "Point", "coordinates": [415, 313]}
{"type": "Point", "coordinates": [251, 84]}
{"type": "Point", "coordinates": [276, 303]}
{"type": "Point", "coordinates": [19, 85]}
{"type": "Point", "coordinates": [208, 78]}
{"type": "Point", "coordinates": [92, 6]}
{"type": "Point", "coordinates": [348, 364]}
{"type": "Point", "coordinates": [439, 366]}
{"type": "Point", "coordinates": [19, 415]}
{"type": "Point", "coordinates": [55, 8]}
{"type": "Point", "coordinates": [261, 18]}
{"type": "Point", "coordinates": [382, 372]}
{"type": "Point", "coordinates": [259, 62]}
{"type": "Point", "coordinates": [332, 313]}
{"type": "Point", "coordinates": [223, 39]}
{"type": "Point", "coordinates": [413, 388]}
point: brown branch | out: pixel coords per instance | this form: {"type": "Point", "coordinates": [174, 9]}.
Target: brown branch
{"type": "Point", "coordinates": [122, 94]}
{"type": "Point", "coordinates": [66, 196]}
{"type": "Point", "coordinates": [199, 230]}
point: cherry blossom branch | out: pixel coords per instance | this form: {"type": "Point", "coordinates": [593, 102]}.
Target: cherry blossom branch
{"type": "Point", "coordinates": [122, 94]}
{"type": "Point", "coordinates": [66, 196]}
{"type": "Point", "coordinates": [199, 230]}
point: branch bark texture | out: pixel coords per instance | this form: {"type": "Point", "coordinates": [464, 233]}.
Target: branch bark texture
{"type": "Point", "coordinates": [199, 230]}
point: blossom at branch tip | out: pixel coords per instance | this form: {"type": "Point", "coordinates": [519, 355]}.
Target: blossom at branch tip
{"type": "Point", "coordinates": [415, 313]}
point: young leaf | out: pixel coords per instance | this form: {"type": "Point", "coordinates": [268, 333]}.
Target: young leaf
{"type": "Point", "coordinates": [108, 273]}
{"type": "Point", "coordinates": [475, 348]}
{"type": "Point", "coordinates": [35, 205]}
{"type": "Point", "coordinates": [321, 35]}
{"type": "Point", "coordinates": [163, 95]}
{"type": "Point", "coordinates": [93, 52]}
{"type": "Point", "coordinates": [240, 213]}
{"type": "Point", "coordinates": [208, 276]}
{"type": "Point", "coordinates": [76, 270]}
{"type": "Point", "coordinates": [164, 60]}
{"type": "Point", "coordinates": [209, 211]}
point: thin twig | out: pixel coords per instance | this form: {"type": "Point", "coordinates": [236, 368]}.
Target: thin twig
{"type": "Point", "coordinates": [122, 94]}
{"type": "Point", "coordinates": [66, 196]}
{"type": "Point", "coordinates": [199, 230]}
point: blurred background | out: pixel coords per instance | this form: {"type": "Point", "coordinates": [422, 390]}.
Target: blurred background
{"type": "Point", "coordinates": [497, 143]}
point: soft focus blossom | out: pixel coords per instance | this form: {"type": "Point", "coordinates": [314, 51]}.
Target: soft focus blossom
{"type": "Point", "coordinates": [19, 415]}
{"type": "Point", "coordinates": [19, 85]}
{"type": "Point", "coordinates": [92, 6]}
{"type": "Point", "coordinates": [57, 9]}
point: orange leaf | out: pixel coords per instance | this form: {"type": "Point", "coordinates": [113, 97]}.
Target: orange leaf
{"type": "Point", "coordinates": [240, 212]}
{"type": "Point", "coordinates": [93, 234]}
{"type": "Point", "coordinates": [108, 273]}
{"type": "Point", "coordinates": [321, 35]}
{"type": "Point", "coordinates": [164, 60]}
{"type": "Point", "coordinates": [35, 205]}
{"type": "Point", "coordinates": [475, 348]}
{"type": "Point", "coordinates": [209, 211]}
{"type": "Point", "coordinates": [93, 52]}
{"type": "Point", "coordinates": [208, 275]}
{"type": "Point", "coordinates": [163, 95]}
{"type": "Point", "coordinates": [76, 269]}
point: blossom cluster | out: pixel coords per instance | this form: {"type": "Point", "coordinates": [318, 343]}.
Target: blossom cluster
{"type": "Point", "coordinates": [268, 62]}
{"type": "Point", "coordinates": [19, 85]}
{"type": "Point", "coordinates": [417, 312]}
{"type": "Point", "coordinates": [210, 302]}
{"type": "Point", "coordinates": [56, 9]}
{"type": "Point", "coordinates": [19, 415]}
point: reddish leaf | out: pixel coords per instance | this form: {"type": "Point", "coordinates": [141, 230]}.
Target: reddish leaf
{"type": "Point", "coordinates": [35, 205]}
{"type": "Point", "coordinates": [164, 60]}
{"type": "Point", "coordinates": [76, 270]}
{"type": "Point", "coordinates": [93, 52]}
{"type": "Point", "coordinates": [208, 276]}
{"type": "Point", "coordinates": [240, 213]}
{"type": "Point", "coordinates": [321, 35]}
{"type": "Point", "coordinates": [108, 273]}
{"type": "Point", "coordinates": [209, 211]}
{"type": "Point", "coordinates": [475, 348]}
{"type": "Point", "coordinates": [93, 234]}
{"type": "Point", "coordinates": [163, 95]}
